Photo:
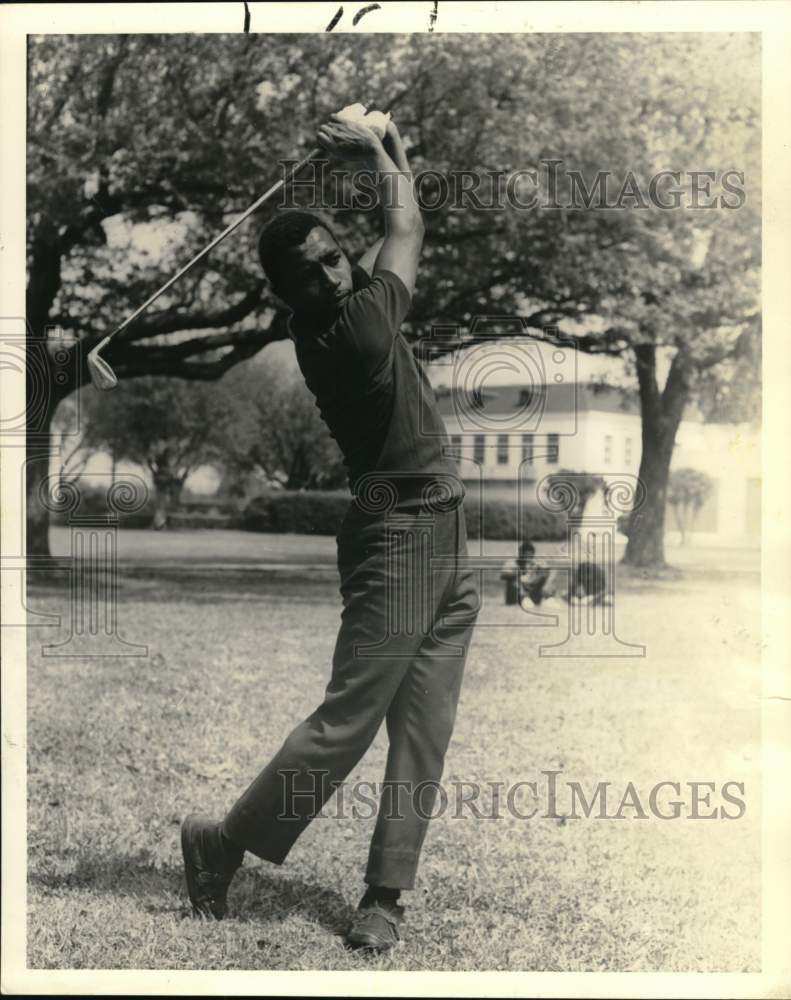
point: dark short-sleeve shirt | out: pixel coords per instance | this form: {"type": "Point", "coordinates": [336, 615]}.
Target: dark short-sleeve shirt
{"type": "Point", "coordinates": [377, 401]}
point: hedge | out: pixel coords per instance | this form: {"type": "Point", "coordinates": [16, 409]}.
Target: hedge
{"type": "Point", "coordinates": [314, 512]}
{"type": "Point", "coordinates": [186, 516]}
{"type": "Point", "coordinates": [311, 512]}
{"type": "Point", "coordinates": [500, 521]}
{"type": "Point", "coordinates": [321, 513]}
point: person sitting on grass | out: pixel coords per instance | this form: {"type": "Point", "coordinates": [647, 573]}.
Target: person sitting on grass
{"type": "Point", "coordinates": [513, 569]}
{"type": "Point", "coordinates": [540, 584]}
{"type": "Point", "coordinates": [534, 576]}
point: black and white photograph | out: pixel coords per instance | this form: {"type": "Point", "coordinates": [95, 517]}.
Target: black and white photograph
{"type": "Point", "coordinates": [395, 559]}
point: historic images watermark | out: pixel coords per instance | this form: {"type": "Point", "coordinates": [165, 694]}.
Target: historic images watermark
{"type": "Point", "coordinates": [551, 796]}
{"type": "Point", "coordinates": [550, 185]}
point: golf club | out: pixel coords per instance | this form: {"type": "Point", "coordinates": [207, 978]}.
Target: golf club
{"type": "Point", "coordinates": [102, 375]}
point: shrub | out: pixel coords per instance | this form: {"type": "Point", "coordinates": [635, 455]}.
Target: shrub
{"type": "Point", "coordinates": [311, 512]}
{"type": "Point", "coordinates": [93, 503]}
{"type": "Point", "coordinates": [500, 521]}
{"type": "Point", "coordinates": [320, 513]}
{"type": "Point", "coordinates": [206, 512]}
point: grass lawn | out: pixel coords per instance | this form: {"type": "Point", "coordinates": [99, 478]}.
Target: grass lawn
{"type": "Point", "coordinates": [119, 750]}
{"type": "Point", "coordinates": [205, 549]}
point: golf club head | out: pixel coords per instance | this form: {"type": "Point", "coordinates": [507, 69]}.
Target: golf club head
{"type": "Point", "coordinates": [102, 375]}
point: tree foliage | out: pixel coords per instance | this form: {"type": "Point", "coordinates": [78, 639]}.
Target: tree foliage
{"type": "Point", "coordinates": [278, 432]}
{"type": "Point", "coordinates": [583, 485]}
{"type": "Point", "coordinates": [167, 426]}
{"type": "Point", "coordinates": [688, 490]}
{"type": "Point", "coordinates": [142, 147]}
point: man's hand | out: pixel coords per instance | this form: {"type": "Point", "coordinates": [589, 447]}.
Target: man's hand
{"type": "Point", "coordinates": [391, 132]}
{"type": "Point", "coordinates": [394, 147]}
{"type": "Point", "coordinates": [348, 140]}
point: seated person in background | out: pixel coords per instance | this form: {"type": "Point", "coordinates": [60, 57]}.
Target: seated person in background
{"type": "Point", "coordinates": [534, 577]}
{"type": "Point", "coordinates": [514, 569]}
{"type": "Point", "coordinates": [539, 584]}
{"type": "Point", "coordinates": [589, 585]}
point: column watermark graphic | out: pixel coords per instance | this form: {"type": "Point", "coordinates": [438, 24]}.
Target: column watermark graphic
{"type": "Point", "coordinates": [589, 552]}
{"type": "Point", "coordinates": [93, 566]}
{"type": "Point", "coordinates": [412, 571]}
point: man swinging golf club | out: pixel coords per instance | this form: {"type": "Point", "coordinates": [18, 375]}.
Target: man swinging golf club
{"type": "Point", "coordinates": [409, 605]}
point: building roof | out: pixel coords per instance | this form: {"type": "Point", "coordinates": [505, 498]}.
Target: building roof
{"type": "Point", "coordinates": [560, 398]}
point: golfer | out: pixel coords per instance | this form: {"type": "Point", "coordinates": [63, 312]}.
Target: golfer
{"type": "Point", "coordinates": [409, 600]}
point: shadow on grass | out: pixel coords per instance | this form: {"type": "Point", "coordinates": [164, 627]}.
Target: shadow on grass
{"type": "Point", "coordinates": [261, 897]}
{"type": "Point", "coordinates": [256, 894]}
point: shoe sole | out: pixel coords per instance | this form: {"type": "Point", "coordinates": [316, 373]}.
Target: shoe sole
{"type": "Point", "coordinates": [369, 944]}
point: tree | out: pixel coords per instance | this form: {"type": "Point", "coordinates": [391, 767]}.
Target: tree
{"type": "Point", "coordinates": [130, 130]}
{"type": "Point", "coordinates": [688, 491]}
{"type": "Point", "coordinates": [584, 485]}
{"type": "Point", "coordinates": [674, 288]}
{"type": "Point", "coordinates": [69, 441]}
{"type": "Point", "coordinates": [278, 431]}
{"type": "Point", "coordinates": [175, 136]}
{"type": "Point", "coordinates": [167, 426]}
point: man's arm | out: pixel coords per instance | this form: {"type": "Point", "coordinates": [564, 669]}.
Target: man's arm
{"type": "Point", "coordinates": [403, 239]}
{"type": "Point", "coordinates": [404, 228]}
{"type": "Point", "coordinates": [394, 147]}
{"type": "Point", "coordinates": [368, 260]}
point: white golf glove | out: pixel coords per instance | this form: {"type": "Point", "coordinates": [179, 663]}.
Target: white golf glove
{"type": "Point", "coordinates": [376, 121]}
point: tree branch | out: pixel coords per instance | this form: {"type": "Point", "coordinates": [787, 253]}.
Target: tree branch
{"type": "Point", "coordinates": [168, 360]}
{"type": "Point", "coordinates": [173, 320]}
{"type": "Point", "coordinates": [108, 75]}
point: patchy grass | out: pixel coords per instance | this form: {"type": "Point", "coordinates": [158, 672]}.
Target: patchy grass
{"type": "Point", "coordinates": [120, 750]}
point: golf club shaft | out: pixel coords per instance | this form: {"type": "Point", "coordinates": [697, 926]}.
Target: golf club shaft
{"type": "Point", "coordinates": [215, 242]}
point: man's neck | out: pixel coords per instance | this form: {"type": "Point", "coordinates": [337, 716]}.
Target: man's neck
{"type": "Point", "coordinates": [303, 324]}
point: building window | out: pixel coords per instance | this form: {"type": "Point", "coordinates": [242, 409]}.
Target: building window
{"type": "Point", "coordinates": [608, 449]}
{"type": "Point", "coordinates": [627, 451]}
{"type": "Point", "coordinates": [479, 448]}
{"type": "Point", "coordinates": [502, 449]}
{"type": "Point", "coordinates": [455, 440]}
{"type": "Point", "coordinates": [553, 449]}
{"type": "Point", "coordinates": [527, 448]}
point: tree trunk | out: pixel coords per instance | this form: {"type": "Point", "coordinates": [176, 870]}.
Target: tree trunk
{"type": "Point", "coordinates": [645, 547]}
{"type": "Point", "coordinates": [661, 416]}
{"type": "Point", "coordinates": [41, 403]}
{"type": "Point", "coordinates": [37, 519]}
{"type": "Point", "coordinates": [41, 390]}
{"type": "Point", "coordinates": [167, 490]}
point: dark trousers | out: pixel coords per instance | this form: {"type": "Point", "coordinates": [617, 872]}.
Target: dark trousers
{"type": "Point", "coordinates": [409, 606]}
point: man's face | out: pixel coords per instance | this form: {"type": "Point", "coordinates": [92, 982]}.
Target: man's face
{"type": "Point", "coordinates": [317, 277]}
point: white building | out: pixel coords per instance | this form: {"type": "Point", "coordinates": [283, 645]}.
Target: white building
{"type": "Point", "coordinates": [597, 429]}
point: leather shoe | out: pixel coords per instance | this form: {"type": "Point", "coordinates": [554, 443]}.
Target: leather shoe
{"type": "Point", "coordinates": [375, 926]}
{"type": "Point", "coordinates": [207, 882]}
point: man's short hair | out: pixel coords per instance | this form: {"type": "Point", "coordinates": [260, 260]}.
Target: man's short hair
{"type": "Point", "coordinates": [282, 233]}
